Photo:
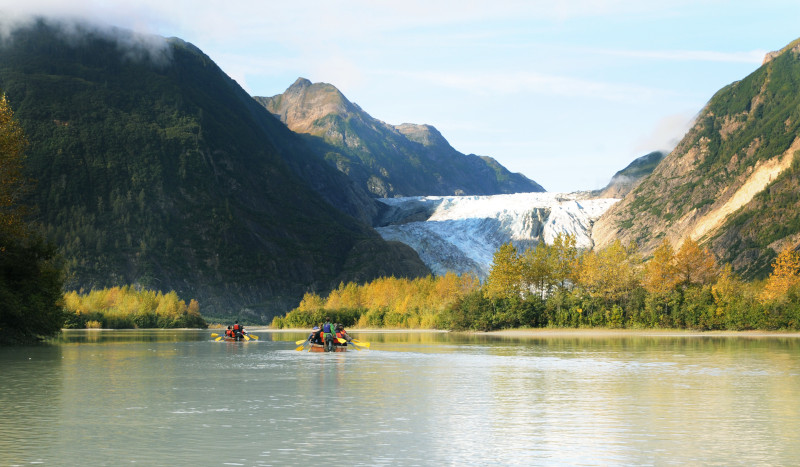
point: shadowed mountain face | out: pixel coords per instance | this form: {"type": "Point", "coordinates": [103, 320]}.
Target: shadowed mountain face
{"type": "Point", "coordinates": [383, 159]}
{"type": "Point", "coordinates": [155, 168]}
{"type": "Point", "coordinates": [732, 181]}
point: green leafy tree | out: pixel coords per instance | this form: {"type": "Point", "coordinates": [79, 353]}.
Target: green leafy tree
{"type": "Point", "coordinates": [564, 259]}
{"type": "Point", "coordinates": [537, 269]}
{"type": "Point", "coordinates": [505, 277]}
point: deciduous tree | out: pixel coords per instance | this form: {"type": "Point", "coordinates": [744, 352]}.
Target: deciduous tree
{"type": "Point", "coordinates": [12, 180]}
{"type": "Point", "coordinates": [505, 277]}
{"type": "Point", "coordinates": [785, 275]}
{"type": "Point", "coordinates": [660, 274]}
{"type": "Point", "coordinates": [694, 265]}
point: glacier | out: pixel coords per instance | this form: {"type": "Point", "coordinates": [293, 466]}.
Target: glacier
{"type": "Point", "coordinates": [461, 233]}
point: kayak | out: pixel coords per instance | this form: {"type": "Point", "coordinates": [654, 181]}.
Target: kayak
{"type": "Point", "coordinates": [321, 348]}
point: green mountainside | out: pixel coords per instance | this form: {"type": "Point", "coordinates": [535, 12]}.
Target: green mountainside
{"type": "Point", "coordinates": [153, 167]}
{"type": "Point", "coordinates": [383, 159]}
{"type": "Point", "coordinates": [732, 182]}
{"type": "Point", "coordinates": [629, 178]}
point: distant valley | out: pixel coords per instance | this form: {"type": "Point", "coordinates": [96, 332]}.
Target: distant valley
{"type": "Point", "coordinates": [462, 233]}
{"type": "Point", "coordinates": [154, 168]}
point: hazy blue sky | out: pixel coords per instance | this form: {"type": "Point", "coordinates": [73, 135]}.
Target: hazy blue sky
{"type": "Point", "coordinates": [566, 92]}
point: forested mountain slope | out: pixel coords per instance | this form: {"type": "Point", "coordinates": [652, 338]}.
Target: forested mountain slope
{"type": "Point", "coordinates": [383, 159]}
{"type": "Point", "coordinates": [155, 168]}
{"type": "Point", "coordinates": [732, 182]}
{"type": "Point", "coordinates": [624, 181]}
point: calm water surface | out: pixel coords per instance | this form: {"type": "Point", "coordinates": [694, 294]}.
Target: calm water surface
{"type": "Point", "coordinates": [178, 398]}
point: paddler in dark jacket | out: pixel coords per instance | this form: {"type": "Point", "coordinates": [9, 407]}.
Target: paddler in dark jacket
{"type": "Point", "coordinates": [314, 336]}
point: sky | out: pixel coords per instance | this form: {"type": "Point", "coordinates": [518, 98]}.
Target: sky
{"type": "Point", "coordinates": [566, 92]}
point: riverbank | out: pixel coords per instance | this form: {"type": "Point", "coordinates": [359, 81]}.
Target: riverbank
{"type": "Point", "coordinates": [604, 332]}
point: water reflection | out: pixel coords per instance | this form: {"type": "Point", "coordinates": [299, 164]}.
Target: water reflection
{"type": "Point", "coordinates": [151, 397]}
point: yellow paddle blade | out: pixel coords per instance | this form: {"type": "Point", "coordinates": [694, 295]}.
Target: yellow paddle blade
{"type": "Point", "coordinates": [218, 338]}
{"type": "Point", "coordinates": [362, 344]}
{"type": "Point", "coordinates": [214, 334]}
{"type": "Point", "coordinates": [301, 341]}
{"type": "Point", "coordinates": [252, 336]}
{"type": "Point", "coordinates": [299, 348]}
{"type": "Point", "coordinates": [341, 341]}
{"type": "Point", "coordinates": [246, 337]}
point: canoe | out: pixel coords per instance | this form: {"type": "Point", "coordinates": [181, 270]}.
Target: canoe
{"type": "Point", "coordinates": [233, 339]}
{"type": "Point", "coordinates": [321, 348]}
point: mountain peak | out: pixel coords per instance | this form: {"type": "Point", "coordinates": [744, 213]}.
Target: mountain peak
{"type": "Point", "coordinates": [386, 160]}
{"type": "Point", "coordinates": [793, 46]}
{"type": "Point", "coordinates": [300, 83]}
{"type": "Point", "coordinates": [304, 103]}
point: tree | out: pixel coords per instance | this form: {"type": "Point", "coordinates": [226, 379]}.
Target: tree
{"type": "Point", "coordinates": [564, 257]}
{"type": "Point", "coordinates": [660, 273]}
{"type": "Point", "coordinates": [505, 277]}
{"type": "Point", "coordinates": [537, 270]}
{"type": "Point", "coordinates": [608, 274]}
{"type": "Point", "coordinates": [12, 182]}
{"type": "Point", "coordinates": [694, 265]}
{"type": "Point", "coordinates": [31, 279]}
{"type": "Point", "coordinates": [785, 275]}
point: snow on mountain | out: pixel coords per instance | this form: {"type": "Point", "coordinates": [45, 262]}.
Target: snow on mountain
{"type": "Point", "coordinates": [461, 233]}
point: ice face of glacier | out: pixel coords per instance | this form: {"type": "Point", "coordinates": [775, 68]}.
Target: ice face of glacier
{"type": "Point", "coordinates": [461, 233]}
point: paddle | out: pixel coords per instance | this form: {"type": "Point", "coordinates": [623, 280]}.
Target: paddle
{"type": "Point", "coordinates": [301, 341]}
{"type": "Point", "coordinates": [214, 334]}
{"type": "Point", "coordinates": [246, 337]}
{"type": "Point", "coordinates": [218, 338]}
{"type": "Point", "coordinates": [362, 344]}
{"type": "Point", "coordinates": [301, 347]}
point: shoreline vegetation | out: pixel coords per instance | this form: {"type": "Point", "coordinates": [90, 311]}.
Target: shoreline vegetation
{"type": "Point", "coordinates": [130, 308]}
{"type": "Point", "coordinates": [555, 332]}
{"type": "Point", "coordinates": [558, 286]}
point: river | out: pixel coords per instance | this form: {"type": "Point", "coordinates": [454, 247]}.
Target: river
{"type": "Point", "coordinates": [179, 398]}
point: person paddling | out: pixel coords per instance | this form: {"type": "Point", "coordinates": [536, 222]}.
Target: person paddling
{"type": "Point", "coordinates": [328, 331]}
{"type": "Point", "coordinates": [342, 334]}
{"type": "Point", "coordinates": [314, 336]}
{"type": "Point", "coordinates": [238, 330]}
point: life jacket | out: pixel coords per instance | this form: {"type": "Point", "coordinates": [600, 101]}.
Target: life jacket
{"type": "Point", "coordinates": [237, 327]}
{"type": "Point", "coordinates": [326, 328]}
{"type": "Point", "coordinates": [228, 333]}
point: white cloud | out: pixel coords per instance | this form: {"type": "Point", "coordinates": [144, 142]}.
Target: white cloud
{"type": "Point", "coordinates": [666, 133]}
